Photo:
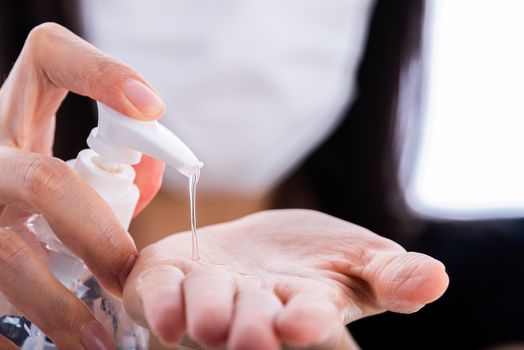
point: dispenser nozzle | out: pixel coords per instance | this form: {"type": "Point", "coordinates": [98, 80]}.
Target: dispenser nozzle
{"type": "Point", "coordinates": [122, 139]}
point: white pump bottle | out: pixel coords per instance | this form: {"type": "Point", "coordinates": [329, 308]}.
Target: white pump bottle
{"type": "Point", "coordinates": [117, 143]}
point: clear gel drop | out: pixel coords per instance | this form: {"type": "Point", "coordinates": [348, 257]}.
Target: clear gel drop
{"type": "Point", "coordinates": [193, 180]}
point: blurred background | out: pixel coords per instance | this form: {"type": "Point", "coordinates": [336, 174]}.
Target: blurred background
{"type": "Point", "coordinates": [401, 116]}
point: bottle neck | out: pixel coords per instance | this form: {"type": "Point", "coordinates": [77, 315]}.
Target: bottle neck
{"type": "Point", "coordinates": [111, 180]}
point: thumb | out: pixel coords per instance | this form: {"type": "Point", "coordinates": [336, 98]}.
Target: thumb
{"type": "Point", "coordinates": [53, 61]}
{"type": "Point", "coordinates": [405, 282]}
{"type": "Point", "coordinates": [69, 62]}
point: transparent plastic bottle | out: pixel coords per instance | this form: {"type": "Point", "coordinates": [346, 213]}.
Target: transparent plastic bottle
{"type": "Point", "coordinates": [116, 144]}
{"type": "Point", "coordinates": [75, 276]}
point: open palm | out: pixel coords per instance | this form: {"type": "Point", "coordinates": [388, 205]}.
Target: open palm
{"type": "Point", "coordinates": [283, 276]}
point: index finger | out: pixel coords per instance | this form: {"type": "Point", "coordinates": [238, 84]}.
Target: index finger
{"type": "Point", "coordinates": [75, 212]}
{"type": "Point", "coordinates": [54, 60]}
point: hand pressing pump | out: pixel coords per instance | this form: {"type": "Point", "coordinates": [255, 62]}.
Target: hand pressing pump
{"type": "Point", "coordinates": [117, 143]}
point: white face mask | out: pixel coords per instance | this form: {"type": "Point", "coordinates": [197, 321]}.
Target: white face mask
{"type": "Point", "coordinates": [251, 86]}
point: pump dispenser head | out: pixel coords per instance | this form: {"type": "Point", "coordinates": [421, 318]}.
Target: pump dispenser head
{"type": "Point", "coordinates": [116, 144]}
{"type": "Point", "coordinates": [121, 139]}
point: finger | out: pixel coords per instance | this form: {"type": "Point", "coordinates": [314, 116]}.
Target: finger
{"type": "Point", "coordinates": [253, 321]}
{"type": "Point", "coordinates": [30, 287]}
{"type": "Point", "coordinates": [209, 294]}
{"type": "Point", "coordinates": [406, 281]}
{"type": "Point", "coordinates": [69, 62]}
{"type": "Point", "coordinates": [309, 321]}
{"type": "Point", "coordinates": [155, 295]}
{"type": "Point", "coordinates": [346, 342]}
{"type": "Point", "coordinates": [75, 212]}
{"type": "Point", "coordinates": [55, 60]}
{"type": "Point", "coordinates": [148, 180]}
{"type": "Point", "coordinates": [341, 340]}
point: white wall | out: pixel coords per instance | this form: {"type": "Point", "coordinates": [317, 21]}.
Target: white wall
{"type": "Point", "coordinates": [471, 162]}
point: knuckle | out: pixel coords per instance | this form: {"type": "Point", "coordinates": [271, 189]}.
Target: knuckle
{"type": "Point", "coordinates": [397, 272]}
{"type": "Point", "coordinates": [100, 68]}
{"type": "Point", "coordinates": [44, 33]}
{"type": "Point", "coordinates": [112, 235]}
{"type": "Point", "coordinates": [165, 325]}
{"type": "Point", "coordinates": [106, 65]}
{"type": "Point", "coordinates": [41, 40]}
{"type": "Point", "coordinates": [117, 249]}
{"type": "Point", "coordinates": [68, 315]}
{"type": "Point", "coordinates": [12, 252]}
{"type": "Point", "coordinates": [253, 335]}
{"type": "Point", "coordinates": [45, 176]}
{"type": "Point", "coordinates": [206, 332]}
{"type": "Point", "coordinates": [251, 329]}
{"type": "Point", "coordinates": [210, 324]}
{"type": "Point", "coordinates": [64, 324]}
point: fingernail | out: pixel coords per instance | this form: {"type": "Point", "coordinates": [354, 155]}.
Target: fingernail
{"type": "Point", "coordinates": [142, 97]}
{"type": "Point", "coordinates": [124, 274]}
{"type": "Point", "coordinates": [95, 337]}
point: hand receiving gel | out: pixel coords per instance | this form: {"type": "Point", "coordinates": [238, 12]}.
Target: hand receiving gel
{"type": "Point", "coordinates": [117, 143]}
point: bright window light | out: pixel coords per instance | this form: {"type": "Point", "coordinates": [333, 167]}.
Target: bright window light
{"type": "Point", "coordinates": [470, 164]}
